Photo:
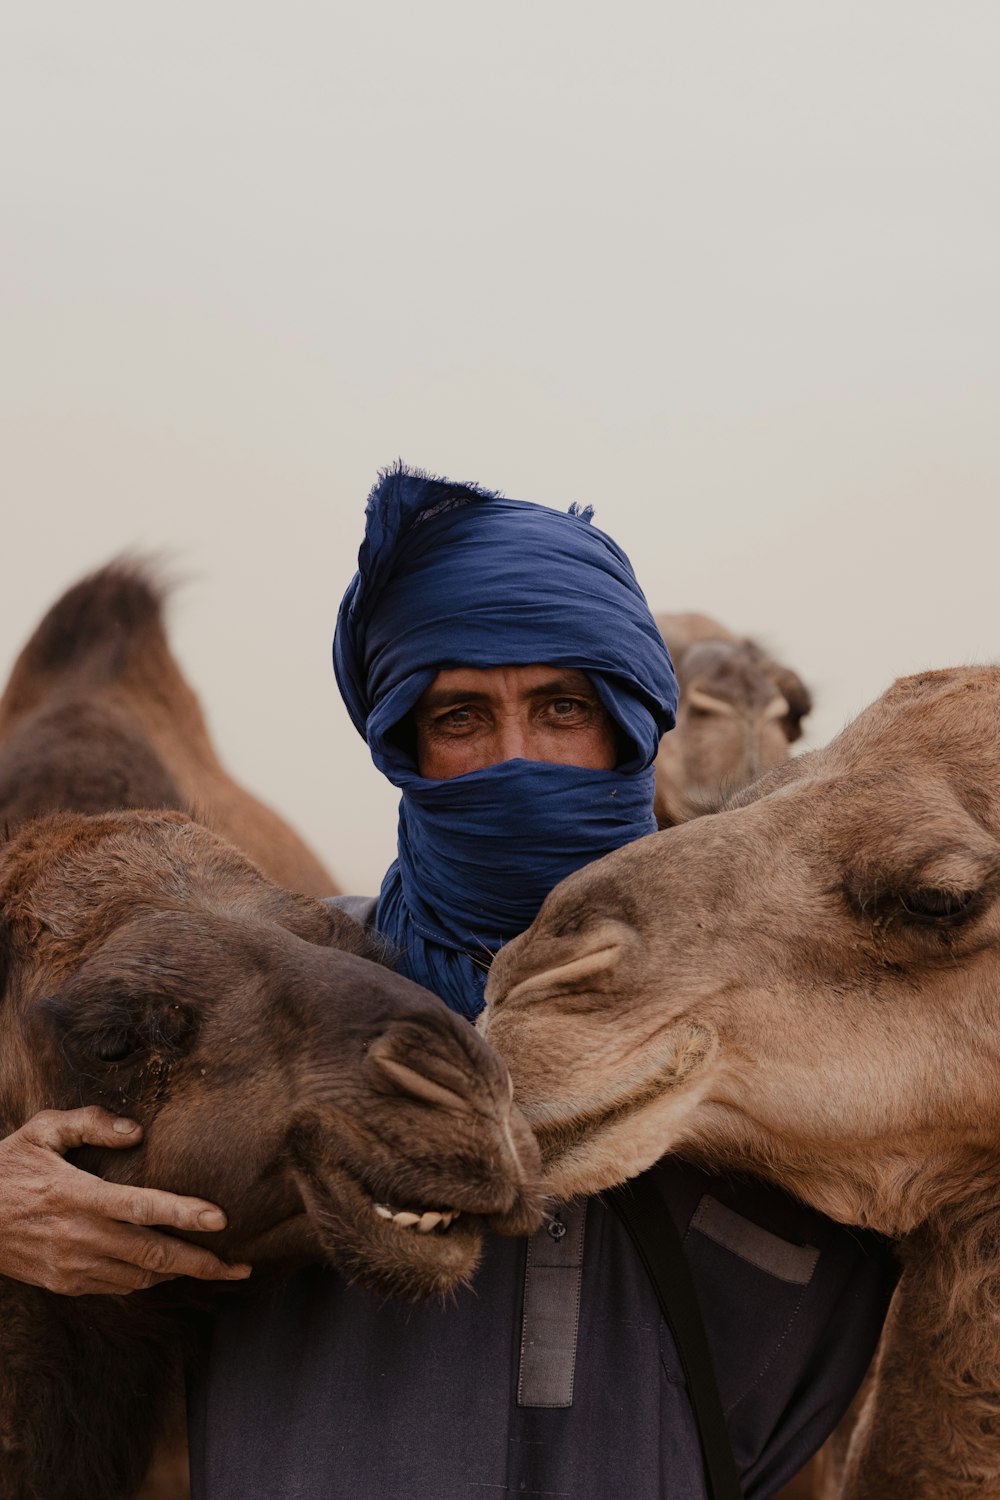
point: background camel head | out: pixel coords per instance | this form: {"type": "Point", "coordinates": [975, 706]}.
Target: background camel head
{"type": "Point", "coordinates": [738, 713]}
{"type": "Point", "coordinates": [329, 1105]}
{"type": "Point", "coordinates": [807, 984]}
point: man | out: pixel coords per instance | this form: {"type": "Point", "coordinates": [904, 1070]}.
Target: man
{"type": "Point", "coordinates": [505, 670]}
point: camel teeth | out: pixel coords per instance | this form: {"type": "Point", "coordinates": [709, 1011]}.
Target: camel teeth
{"type": "Point", "coordinates": [405, 1218]}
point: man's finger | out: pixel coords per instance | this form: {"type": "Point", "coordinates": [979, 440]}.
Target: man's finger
{"type": "Point", "coordinates": [122, 1277]}
{"type": "Point", "coordinates": [160, 1256]}
{"type": "Point", "coordinates": [64, 1129]}
{"type": "Point", "coordinates": [114, 1278]}
{"type": "Point", "coordinates": [139, 1205]}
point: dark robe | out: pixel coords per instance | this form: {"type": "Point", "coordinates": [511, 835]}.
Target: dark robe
{"type": "Point", "coordinates": [571, 1388]}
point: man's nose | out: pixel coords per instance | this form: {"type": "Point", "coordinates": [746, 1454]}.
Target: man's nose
{"type": "Point", "coordinates": [513, 739]}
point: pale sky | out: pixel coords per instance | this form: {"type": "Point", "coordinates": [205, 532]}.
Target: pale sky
{"type": "Point", "coordinates": [727, 272]}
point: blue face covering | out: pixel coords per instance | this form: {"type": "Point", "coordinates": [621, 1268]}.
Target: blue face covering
{"type": "Point", "coordinates": [450, 575]}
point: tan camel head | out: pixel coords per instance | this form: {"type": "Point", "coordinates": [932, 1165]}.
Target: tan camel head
{"type": "Point", "coordinates": [739, 711]}
{"type": "Point", "coordinates": [147, 966]}
{"type": "Point", "coordinates": [807, 984]}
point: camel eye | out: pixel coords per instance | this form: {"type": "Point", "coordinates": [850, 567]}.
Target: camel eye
{"type": "Point", "coordinates": [943, 907]}
{"type": "Point", "coordinates": [115, 1046]}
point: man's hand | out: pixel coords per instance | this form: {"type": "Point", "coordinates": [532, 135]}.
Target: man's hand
{"type": "Point", "coordinates": [74, 1233]}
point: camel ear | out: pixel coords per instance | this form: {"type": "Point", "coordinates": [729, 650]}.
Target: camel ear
{"type": "Point", "coordinates": [796, 695]}
{"type": "Point", "coordinates": [684, 630]}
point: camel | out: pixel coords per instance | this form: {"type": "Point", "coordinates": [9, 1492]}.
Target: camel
{"type": "Point", "coordinates": [97, 678]}
{"type": "Point", "coordinates": [805, 985]}
{"type": "Point", "coordinates": [739, 712]}
{"type": "Point", "coordinates": [334, 1109]}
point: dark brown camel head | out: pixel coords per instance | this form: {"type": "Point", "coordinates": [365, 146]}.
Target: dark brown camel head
{"type": "Point", "coordinates": [332, 1107]}
{"type": "Point", "coordinates": [739, 712]}
{"type": "Point", "coordinates": [806, 985]}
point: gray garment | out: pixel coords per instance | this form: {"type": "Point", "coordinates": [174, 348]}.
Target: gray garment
{"type": "Point", "coordinates": [320, 1391]}
{"type": "Point", "coordinates": [361, 908]}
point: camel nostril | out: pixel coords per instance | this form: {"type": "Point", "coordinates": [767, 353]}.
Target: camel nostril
{"type": "Point", "coordinates": [574, 971]}
{"type": "Point", "coordinates": [409, 1081]}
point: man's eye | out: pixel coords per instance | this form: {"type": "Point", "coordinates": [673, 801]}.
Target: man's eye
{"type": "Point", "coordinates": [456, 718]}
{"type": "Point", "coordinates": [564, 708]}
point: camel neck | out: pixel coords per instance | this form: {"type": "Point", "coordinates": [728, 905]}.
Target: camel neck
{"type": "Point", "coordinates": [929, 1425]}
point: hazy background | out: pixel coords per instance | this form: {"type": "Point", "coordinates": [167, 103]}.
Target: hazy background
{"type": "Point", "coordinates": [727, 272]}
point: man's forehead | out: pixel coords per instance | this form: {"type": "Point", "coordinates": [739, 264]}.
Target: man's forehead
{"type": "Point", "coordinates": [503, 681]}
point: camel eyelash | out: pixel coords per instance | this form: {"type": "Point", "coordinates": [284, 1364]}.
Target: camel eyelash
{"type": "Point", "coordinates": [938, 907]}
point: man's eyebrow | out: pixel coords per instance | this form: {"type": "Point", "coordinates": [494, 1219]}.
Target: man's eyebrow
{"type": "Point", "coordinates": [573, 686]}
{"type": "Point", "coordinates": [447, 698]}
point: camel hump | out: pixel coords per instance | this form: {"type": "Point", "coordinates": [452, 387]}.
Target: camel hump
{"type": "Point", "coordinates": [107, 625]}
{"type": "Point", "coordinates": [975, 679]}
{"type": "Point", "coordinates": [103, 620]}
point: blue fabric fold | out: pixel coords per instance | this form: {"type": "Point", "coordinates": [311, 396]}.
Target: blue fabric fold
{"type": "Point", "coordinates": [454, 575]}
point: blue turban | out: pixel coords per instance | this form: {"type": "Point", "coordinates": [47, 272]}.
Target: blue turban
{"type": "Point", "coordinates": [451, 575]}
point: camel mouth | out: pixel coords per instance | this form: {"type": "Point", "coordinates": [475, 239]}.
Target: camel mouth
{"type": "Point", "coordinates": [583, 1139]}
{"type": "Point", "coordinates": [405, 1261]}
{"type": "Point", "coordinates": [371, 1206]}
{"type": "Point", "coordinates": [417, 1220]}
{"type": "Point", "coordinates": [386, 1238]}
{"type": "Point", "coordinates": [408, 1219]}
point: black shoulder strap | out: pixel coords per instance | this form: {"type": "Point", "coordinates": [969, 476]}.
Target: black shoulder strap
{"type": "Point", "coordinates": [645, 1215]}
